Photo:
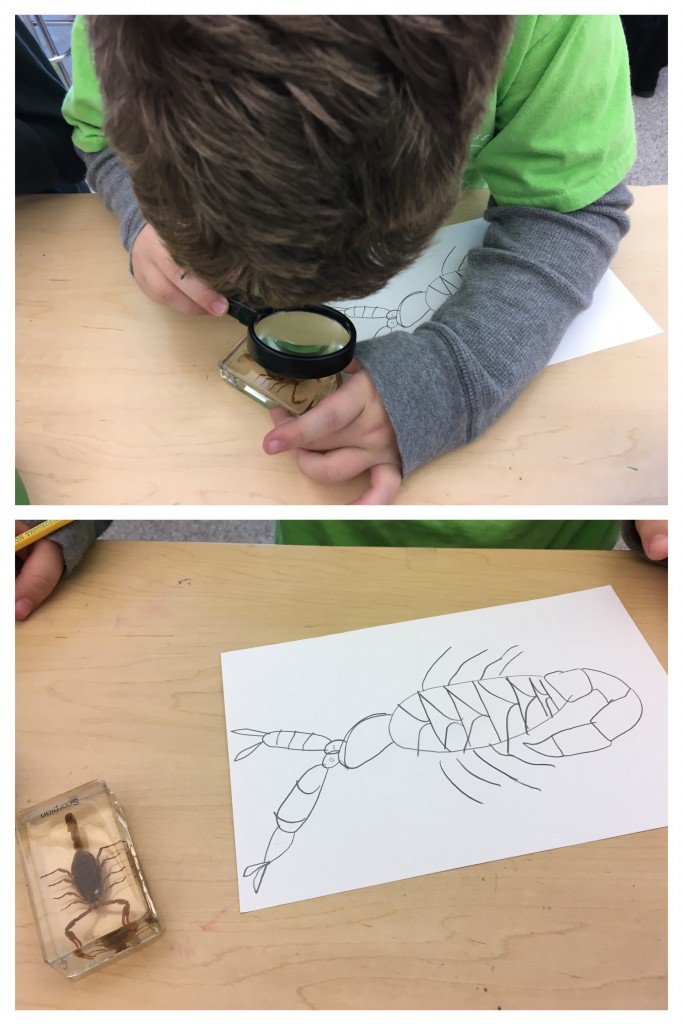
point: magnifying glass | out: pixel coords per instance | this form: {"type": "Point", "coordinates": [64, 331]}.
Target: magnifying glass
{"type": "Point", "coordinates": [302, 343]}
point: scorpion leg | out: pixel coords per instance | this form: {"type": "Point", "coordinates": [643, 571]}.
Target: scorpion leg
{"type": "Point", "coordinates": [69, 892]}
{"type": "Point", "coordinates": [108, 847]}
{"type": "Point", "coordinates": [69, 877]}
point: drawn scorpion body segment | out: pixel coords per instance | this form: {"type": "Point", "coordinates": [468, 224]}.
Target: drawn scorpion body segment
{"type": "Point", "coordinates": [417, 305]}
{"type": "Point", "coordinates": [560, 714]}
{"type": "Point", "coordinates": [91, 882]}
{"type": "Point", "coordinates": [568, 713]}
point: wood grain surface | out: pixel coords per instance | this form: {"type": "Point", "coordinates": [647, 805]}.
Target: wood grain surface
{"type": "Point", "coordinates": [118, 677]}
{"type": "Point", "coordinates": [120, 401]}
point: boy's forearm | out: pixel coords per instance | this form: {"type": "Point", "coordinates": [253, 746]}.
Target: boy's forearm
{"type": "Point", "coordinates": [108, 177]}
{"type": "Point", "coordinates": [75, 539]}
{"type": "Point", "coordinates": [447, 382]}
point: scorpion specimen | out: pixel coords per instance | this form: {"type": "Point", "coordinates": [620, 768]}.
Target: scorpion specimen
{"type": "Point", "coordinates": [91, 882]}
{"type": "Point", "coordinates": [560, 714]}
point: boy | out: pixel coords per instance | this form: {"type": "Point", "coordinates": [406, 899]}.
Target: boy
{"type": "Point", "coordinates": [301, 159]}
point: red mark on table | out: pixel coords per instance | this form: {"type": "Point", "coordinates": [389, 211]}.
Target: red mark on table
{"type": "Point", "coordinates": [183, 950]}
{"type": "Point", "coordinates": [210, 926]}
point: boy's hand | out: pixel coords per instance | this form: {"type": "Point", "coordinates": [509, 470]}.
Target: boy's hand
{"type": "Point", "coordinates": [347, 433]}
{"type": "Point", "coordinates": [654, 536]}
{"type": "Point", "coordinates": [165, 282]}
{"type": "Point", "coordinates": [41, 572]}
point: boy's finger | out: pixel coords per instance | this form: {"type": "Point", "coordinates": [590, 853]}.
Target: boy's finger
{"type": "Point", "coordinates": [333, 414]}
{"type": "Point", "coordinates": [339, 440]}
{"type": "Point", "coordinates": [279, 416]}
{"type": "Point", "coordinates": [209, 300]}
{"type": "Point", "coordinates": [39, 576]}
{"type": "Point", "coordinates": [333, 467]}
{"type": "Point", "coordinates": [161, 289]}
{"type": "Point", "coordinates": [654, 535]}
{"type": "Point", "coordinates": [385, 481]}
{"type": "Point", "coordinates": [353, 367]}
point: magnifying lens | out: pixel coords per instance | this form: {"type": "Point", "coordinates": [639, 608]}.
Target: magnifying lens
{"type": "Point", "coordinates": [302, 343]}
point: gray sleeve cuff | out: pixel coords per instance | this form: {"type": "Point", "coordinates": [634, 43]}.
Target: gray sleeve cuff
{"type": "Point", "coordinates": [107, 176]}
{"type": "Point", "coordinates": [453, 377]}
{"type": "Point", "coordinates": [75, 539]}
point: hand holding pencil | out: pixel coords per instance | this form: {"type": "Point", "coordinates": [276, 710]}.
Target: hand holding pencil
{"type": "Point", "coordinates": [42, 568]}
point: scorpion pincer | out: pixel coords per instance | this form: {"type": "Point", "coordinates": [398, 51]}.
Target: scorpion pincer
{"type": "Point", "coordinates": [561, 714]}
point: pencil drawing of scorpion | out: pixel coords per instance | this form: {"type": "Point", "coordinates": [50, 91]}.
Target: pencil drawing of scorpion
{"type": "Point", "coordinates": [560, 714]}
{"type": "Point", "coordinates": [417, 305]}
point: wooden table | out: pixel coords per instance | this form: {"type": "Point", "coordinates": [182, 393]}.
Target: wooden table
{"type": "Point", "coordinates": [120, 401]}
{"type": "Point", "coordinates": [119, 677]}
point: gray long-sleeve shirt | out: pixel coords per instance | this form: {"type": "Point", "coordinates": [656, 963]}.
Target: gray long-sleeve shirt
{"type": "Point", "coordinates": [446, 383]}
{"type": "Point", "coordinates": [75, 539]}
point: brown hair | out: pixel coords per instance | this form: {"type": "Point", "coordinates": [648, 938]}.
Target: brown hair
{"type": "Point", "coordinates": [314, 155]}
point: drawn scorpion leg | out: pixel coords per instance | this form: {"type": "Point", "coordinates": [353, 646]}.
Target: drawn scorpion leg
{"type": "Point", "coordinates": [495, 768]}
{"type": "Point", "coordinates": [473, 774]}
{"type": "Point", "coordinates": [497, 667]}
{"type": "Point", "coordinates": [293, 812]}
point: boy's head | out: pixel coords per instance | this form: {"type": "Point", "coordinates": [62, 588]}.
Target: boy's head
{"type": "Point", "coordinates": [314, 155]}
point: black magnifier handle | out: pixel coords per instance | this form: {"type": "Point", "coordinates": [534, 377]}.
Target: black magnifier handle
{"type": "Point", "coordinates": [245, 314]}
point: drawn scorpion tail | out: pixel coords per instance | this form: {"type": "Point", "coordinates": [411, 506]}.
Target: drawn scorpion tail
{"type": "Point", "coordinates": [248, 750]}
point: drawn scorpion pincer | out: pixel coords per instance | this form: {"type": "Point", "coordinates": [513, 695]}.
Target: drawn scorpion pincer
{"type": "Point", "coordinates": [90, 883]}
{"type": "Point", "coordinates": [560, 714]}
{"type": "Point", "coordinates": [297, 806]}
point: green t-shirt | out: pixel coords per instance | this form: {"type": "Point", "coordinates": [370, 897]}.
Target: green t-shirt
{"type": "Point", "coordinates": [585, 534]}
{"type": "Point", "coordinates": [559, 131]}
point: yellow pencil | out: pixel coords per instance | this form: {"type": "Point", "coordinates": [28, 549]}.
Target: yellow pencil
{"type": "Point", "coordinates": [38, 532]}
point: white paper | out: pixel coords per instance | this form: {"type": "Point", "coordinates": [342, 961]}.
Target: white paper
{"type": "Point", "coordinates": [400, 814]}
{"type": "Point", "coordinates": [614, 318]}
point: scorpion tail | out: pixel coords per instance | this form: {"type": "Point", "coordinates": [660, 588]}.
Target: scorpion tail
{"type": "Point", "coordinates": [258, 871]}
